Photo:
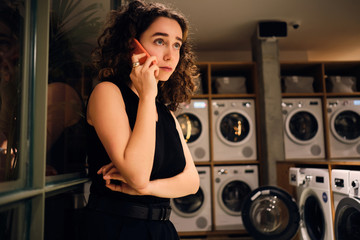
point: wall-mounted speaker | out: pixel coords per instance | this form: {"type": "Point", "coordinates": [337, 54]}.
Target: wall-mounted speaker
{"type": "Point", "coordinates": [268, 29]}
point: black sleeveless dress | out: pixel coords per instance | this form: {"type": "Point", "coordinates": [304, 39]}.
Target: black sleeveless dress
{"type": "Point", "coordinates": [169, 160]}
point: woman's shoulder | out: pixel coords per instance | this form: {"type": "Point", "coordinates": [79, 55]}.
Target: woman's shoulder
{"type": "Point", "coordinates": [105, 85]}
{"type": "Point", "coordinates": [105, 98]}
{"type": "Point", "coordinates": [105, 90]}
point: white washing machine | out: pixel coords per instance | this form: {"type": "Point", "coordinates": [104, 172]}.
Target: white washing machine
{"type": "Point", "coordinates": [347, 215]}
{"type": "Point", "coordinates": [231, 185]}
{"type": "Point", "coordinates": [193, 212]}
{"type": "Point", "coordinates": [303, 128]}
{"type": "Point", "coordinates": [313, 195]}
{"type": "Point", "coordinates": [234, 129]}
{"type": "Point", "coordinates": [194, 122]}
{"type": "Point", "coordinates": [271, 213]}
{"type": "Point", "coordinates": [344, 124]}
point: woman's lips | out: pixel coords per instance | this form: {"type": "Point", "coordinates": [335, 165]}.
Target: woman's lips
{"type": "Point", "coordinates": [166, 69]}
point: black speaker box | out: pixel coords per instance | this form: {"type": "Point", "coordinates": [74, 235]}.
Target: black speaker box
{"type": "Point", "coordinates": [267, 29]}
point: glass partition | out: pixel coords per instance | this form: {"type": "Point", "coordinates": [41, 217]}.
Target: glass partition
{"type": "Point", "coordinates": [74, 28]}
{"type": "Point", "coordinates": [11, 87]}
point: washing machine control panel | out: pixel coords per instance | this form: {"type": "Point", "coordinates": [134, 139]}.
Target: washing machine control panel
{"type": "Point", "coordinates": [339, 182]}
{"type": "Point", "coordinates": [296, 177]}
{"type": "Point", "coordinates": [222, 171]}
{"type": "Point", "coordinates": [354, 183]}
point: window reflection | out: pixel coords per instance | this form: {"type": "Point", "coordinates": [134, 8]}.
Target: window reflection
{"type": "Point", "coordinates": [73, 32]}
{"type": "Point", "coordinates": [12, 221]}
{"type": "Point", "coordinates": [11, 23]}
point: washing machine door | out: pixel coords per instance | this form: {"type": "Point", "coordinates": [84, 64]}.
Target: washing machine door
{"type": "Point", "coordinates": [189, 206]}
{"type": "Point", "coordinates": [191, 127]}
{"type": "Point", "coordinates": [232, 195]}
{"type": "Point", "coordinates": [270, 213]}
{"type": "Point", "coordinates": [347, 219]}
{"type": "Point", "coordinates": [345, 126]}
{"type": "Point", "coordinates": [302, 126]}
{"type": "Point", "coordinates": [233, 127]}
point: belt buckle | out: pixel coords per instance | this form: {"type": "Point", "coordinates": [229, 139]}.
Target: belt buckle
{"type": "Point", "coordinates": [165, 213]}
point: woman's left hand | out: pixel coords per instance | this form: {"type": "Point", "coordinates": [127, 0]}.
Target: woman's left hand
{"type": "Point", "coordinates": [124, 188]}
{"type": "Point", "coordinates": [110, 172]}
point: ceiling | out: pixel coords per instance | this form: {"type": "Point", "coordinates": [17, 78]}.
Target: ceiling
{"type": "Point", "coordinates": [227, 25]}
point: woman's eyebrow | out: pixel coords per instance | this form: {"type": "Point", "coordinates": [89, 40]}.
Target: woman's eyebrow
{"type": "Point", "coordinates": [166, 35]}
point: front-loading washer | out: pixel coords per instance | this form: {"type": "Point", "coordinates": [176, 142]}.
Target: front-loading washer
{"type": "Point", "coordinates": [313, 196]}
{"type": "Point", "coordinates": [193, 118]}
{"type": "Point", "coordinates": [193, 212]}
{"type": "Point", "coordinates": [231, 185]}
{"type": "Point", "coordinates": [303, 128]}
{"type": "Point", "coordinates": [344, 126]}
{"type": "Point", "coordinates": [347, 214]}
{"type": "Point", "coordinates": [271, 213]}
{"type": "Point", "coordinates": [234, 129]}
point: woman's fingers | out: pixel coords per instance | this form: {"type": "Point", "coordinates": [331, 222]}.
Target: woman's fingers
{"type": "Point", "coordinates": [136, 57]}
{"type": "Point", "coordinates": [104, 169]}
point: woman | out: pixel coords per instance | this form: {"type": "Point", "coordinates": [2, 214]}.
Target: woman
{"type": "Point", "coordinates": [134, 137]}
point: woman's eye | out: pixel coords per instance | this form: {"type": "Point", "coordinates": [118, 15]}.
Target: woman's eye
{"type": "Point", "coordinates": [159, 41]}
{"type": "Point", "coordinates": [177, 45]}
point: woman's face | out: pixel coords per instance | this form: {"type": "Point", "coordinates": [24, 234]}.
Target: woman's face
{"type": "Point", "coordinates": [163, 39]}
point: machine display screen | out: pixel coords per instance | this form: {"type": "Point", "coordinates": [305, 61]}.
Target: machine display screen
{"type": "Point", "coordinates": [320, 179]}
{"type": "Point", "coordinates": [357, 102]}
{"type": "Point", "coordinates": [199, 104]}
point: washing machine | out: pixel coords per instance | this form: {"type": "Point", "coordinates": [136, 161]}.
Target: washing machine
{"type": "Point", "coordinates": [271, 213]}
{"type": "Point", "coordinates": [231, 185]}
{"type": "Point", "coordinates": [193, 212]}
{"type": "Point", "coordinates": [313, 195]}
{"type": "Point", "coordinates": [303, 128]}
{"type": "Point", "coordinates": [347, 209]}
{"type": "Point", "coordinates": [234, 129]}
{"type": "Point", "coordinates": [194, 121]}
{"type": "Point", "coordinates": [344, 125]}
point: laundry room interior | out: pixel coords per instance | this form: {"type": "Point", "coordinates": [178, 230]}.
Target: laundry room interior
{"type": "Point", "coordinates": [273, 127]}
{"type": "Point", "coordinates": [276, 121]}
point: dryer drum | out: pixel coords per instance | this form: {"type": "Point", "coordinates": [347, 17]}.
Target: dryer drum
{"type": "Point", "coordinates": [232, 196]}
{"type": "Point", "coordinates": [234, 127]}
{"type": "Point", "coordinates": [347, 125]}
{"type": "Point", "coordinates": [190, 126]}
{"type": "Point", "coordinates": [303, 125]}
{"type": "Point", "coordinates": [189, 204]}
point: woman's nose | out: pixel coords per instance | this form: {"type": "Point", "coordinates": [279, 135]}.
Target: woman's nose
{"type": "Point", "coordinates": [168, 54]}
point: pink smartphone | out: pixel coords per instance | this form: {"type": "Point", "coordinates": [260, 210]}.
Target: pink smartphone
{"type": "Point", "coordinates": [140, 49]}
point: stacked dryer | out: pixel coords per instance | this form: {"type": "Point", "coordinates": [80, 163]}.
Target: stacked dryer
{"type": "Point", "coordinates": [232, 185]}
{"type": "Point", "coordinates": [344, 124]}
{"type": "Point", "coordinates": [194, 122]}
{"type": "Point", "coordinates": [193, 212]}
{"type": "Point", "coordinates": [303, 128]}
{"type": "Point", "coordinates": [234, 129]}
{"type": "Point", "coordinates": [345, 184]}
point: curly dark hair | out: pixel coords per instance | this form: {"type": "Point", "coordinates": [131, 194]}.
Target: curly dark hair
{"type": "Point", "coordinates": [112, 57]}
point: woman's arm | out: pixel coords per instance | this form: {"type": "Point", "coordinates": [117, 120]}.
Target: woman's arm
{"type": "Point", "coordinates": [185, 183]}
{"type": "Point", "coordinates": [132, 153]}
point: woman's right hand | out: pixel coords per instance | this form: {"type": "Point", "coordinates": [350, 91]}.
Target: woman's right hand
{"type": "Point", "coordinates": [144, 76]}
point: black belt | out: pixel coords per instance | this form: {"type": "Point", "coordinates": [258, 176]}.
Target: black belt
{"type": "Point", "coordinates": [128, 209]}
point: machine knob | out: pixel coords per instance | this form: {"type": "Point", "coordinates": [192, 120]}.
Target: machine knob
{"type": "Point", "coordinates": [308, 178]}
{"type": "Point", "coordinates": [355, 184]}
